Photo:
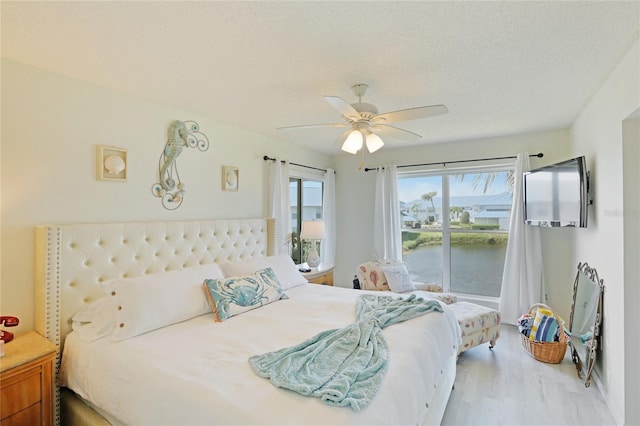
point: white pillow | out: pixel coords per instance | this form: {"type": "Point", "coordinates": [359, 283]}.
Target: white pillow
{"type": "Point", "coordinates": [146, 303]}
{"type": "Point", "coordinates": [398, 278]}
{"type": "Point", "coordinates": [286, 271]}
{"type": "Point", "coordinates": [95, 320]}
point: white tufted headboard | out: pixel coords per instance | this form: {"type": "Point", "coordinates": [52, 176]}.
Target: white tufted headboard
{"type": "Point", "coordinates": [73, 260]}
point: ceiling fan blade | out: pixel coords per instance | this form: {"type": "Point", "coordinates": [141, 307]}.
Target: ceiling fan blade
{"type": "Point", "coordinates": [410, 114]}
{"type": "Point", "coordinates": [313, 125]}
{"type": "Point", "coordinates": [343, 107]}
{"type": "Point", "coordinates": [395, 132]}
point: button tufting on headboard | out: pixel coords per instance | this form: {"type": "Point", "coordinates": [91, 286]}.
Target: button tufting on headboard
{"type": "Point", "coordinates": [86, 255]}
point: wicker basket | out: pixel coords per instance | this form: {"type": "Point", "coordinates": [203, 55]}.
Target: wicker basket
{"type": "Point", "coordinates": [550, 352]}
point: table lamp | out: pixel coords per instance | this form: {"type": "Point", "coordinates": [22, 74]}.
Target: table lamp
{"type": "Point", "coordinates": [312, 231]}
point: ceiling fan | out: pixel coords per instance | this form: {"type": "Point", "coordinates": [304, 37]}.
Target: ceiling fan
{"type": "Point", "coordinates": [365, 124]}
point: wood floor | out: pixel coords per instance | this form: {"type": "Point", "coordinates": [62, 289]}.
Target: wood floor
{"type": "Point", "coordinates": [506, 386]}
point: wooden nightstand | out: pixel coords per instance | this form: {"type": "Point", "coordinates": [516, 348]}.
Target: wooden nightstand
{"type": "Point", "coordinates": [323, 274]}
{"type": "Point", "coordinates": [26, 381]}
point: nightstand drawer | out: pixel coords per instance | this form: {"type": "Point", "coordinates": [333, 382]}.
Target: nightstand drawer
{"type": "Point", "coordinates": [28, 416]}
{"type": "Point", "coordinates": [26, 381]}
{"type": "Point", "coordinates": [20, 392]}
{"type": "Point", "coordinates": [324, 279]}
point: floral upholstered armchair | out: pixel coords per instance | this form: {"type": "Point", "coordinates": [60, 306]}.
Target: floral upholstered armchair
{"type": "Point", "coordinates": [392, 275]}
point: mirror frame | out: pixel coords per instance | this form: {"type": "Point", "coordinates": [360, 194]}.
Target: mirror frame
{"type": "Point", "coordinates": [585, 366]}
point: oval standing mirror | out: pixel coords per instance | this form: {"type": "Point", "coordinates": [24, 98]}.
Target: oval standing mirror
{"type": "Point", "coordinates": [586, 316]}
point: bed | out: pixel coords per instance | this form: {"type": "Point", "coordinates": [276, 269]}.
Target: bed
{"type": "Point", "coordinates": [196, 370]}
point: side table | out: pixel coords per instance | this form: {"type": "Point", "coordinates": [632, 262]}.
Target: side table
{"type": "Point", "coordinates": [26, 381]}
{"type": "Point", "coordinates": [323, 275]}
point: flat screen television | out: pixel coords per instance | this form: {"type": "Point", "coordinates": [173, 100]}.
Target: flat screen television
{"type": "Point", "coordinates": [557, 195]}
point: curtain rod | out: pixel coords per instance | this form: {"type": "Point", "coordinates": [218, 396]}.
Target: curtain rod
{"type": "Point", "coordinates": [444, 163]}
{"type": "Point", "coordinates": [267, 158]}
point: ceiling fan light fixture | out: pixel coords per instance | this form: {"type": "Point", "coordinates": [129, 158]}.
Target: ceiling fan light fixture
{"type": "Point", "coordinates": [353, 143]}
{"type": "Point", "coordinates": [374, 142]}
{"type": "Point", "coordinates": [362, 119]}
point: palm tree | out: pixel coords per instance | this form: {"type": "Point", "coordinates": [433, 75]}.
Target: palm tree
{"type": "Point", "coordinates": [429, 197]}
{"type": "Point", "coordinates": [488, 179]}
{"type": "Point", "coordinates": [415, 209]}
{"type": "Point", "coordinates": [457, 210]}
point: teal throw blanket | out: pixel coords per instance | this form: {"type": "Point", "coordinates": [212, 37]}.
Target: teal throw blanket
{"type": "Point", "coordinates": [343, 367]}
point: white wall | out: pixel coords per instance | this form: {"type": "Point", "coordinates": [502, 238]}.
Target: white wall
{"type": "Point", "coordinates": [598, 133]}
{"type": "Point", "coordinates": [631, 218]}
{"type": "Point", "coordinates": [355, 200]}
{"type": "Point", "coordinates": [50, 128]}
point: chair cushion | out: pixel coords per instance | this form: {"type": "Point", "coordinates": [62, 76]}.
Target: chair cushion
{"type": "Point", "coordinates": [371, 276]}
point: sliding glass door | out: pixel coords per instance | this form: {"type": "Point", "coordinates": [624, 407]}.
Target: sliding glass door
{"type": "Point", "coordinates": [455, 228]}
{"type": "Point", "coordinates": [306, 204]}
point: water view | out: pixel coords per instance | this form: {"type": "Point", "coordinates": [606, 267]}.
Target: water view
{"type": "Point", "coordinates": [475, 269]}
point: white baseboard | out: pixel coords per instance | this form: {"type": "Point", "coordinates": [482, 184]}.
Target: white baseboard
{"type": "Point", "coordinates": [595, 377]}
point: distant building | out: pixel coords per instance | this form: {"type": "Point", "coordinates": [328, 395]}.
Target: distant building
{"type": "Point", "coordinates": [409, 221]}
{"type": "Point", "coordinates": [312, 203]}
{"type": "Point", "coordinates": [493, 217]}
{"type": "Point", "coordinates": [483, 209]}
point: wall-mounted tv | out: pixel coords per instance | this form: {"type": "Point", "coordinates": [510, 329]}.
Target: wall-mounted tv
{"type": "Point", "coordinates": [557, 195]}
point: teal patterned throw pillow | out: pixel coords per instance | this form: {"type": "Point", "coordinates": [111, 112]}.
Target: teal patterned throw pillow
{"type": "Point", "coordinates": [235, 295]}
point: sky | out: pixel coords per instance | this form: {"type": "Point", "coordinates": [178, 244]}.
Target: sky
{"type": "Point", "coordinates": [410, 189]}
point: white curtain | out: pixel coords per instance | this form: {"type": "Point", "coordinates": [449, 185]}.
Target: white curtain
{"type": "Point", "coordinates": [522, 278]}
{"type": "Point", "coordinates": [328, 247]}
{"type": "Point", "coordinates": [387, 235]}
{"type": "Point", "coordinates": [279, 204]}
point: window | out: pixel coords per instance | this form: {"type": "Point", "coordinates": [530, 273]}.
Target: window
{"type": "Point", "coordinates": [455, 228]}
{"type": "Point", "coordinates": [306, 204]}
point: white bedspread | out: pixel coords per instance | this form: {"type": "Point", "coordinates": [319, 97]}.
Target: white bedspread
{"type": "Point", "coordinates": [196, 372]}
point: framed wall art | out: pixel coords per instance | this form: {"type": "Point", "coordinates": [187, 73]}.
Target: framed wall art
{"type": "Point", "coordinates": [230, 178]}
{"type": "Point", "coordinates": [111, 163]}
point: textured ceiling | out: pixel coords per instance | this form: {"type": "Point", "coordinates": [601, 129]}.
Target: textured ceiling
{"type": "Point", "coordinates": [500, 67]}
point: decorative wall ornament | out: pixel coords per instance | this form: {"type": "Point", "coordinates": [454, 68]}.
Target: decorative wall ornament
{"type": "Point", "coordinates": [111, 163]}
{"type": "Point", "coordinates": [180, 135]}
{"type": "Point", "coordinates": [230, 178]}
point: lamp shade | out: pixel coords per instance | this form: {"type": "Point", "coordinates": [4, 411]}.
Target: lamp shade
{"type": "Point", "coordinates": [374, 142]}
{"type": "Point", "coordinates": [312, 230]}
{"type": "Point", "coordinates": [353, 143]}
